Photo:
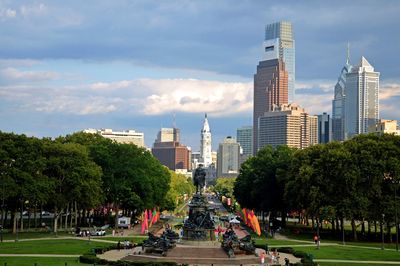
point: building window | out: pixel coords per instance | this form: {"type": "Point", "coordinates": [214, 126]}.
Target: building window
{"type": "Point", "coordinates": [269, 48]}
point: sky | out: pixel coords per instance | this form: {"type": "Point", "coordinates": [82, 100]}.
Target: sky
{"type": "Point", "coordinates": [70, 65]}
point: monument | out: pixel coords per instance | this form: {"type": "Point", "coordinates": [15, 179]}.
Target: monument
{"type": "Point", "coordinates": [199, 226]}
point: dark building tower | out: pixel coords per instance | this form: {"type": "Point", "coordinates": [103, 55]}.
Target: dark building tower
{"type": "Point", "coordinates": [324, 128]}
{"type": "Point", "coordinates": [270, 88]}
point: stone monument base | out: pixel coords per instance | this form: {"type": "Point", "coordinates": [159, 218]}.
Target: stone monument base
{"type": "Point", "coordinates": [201, 234]}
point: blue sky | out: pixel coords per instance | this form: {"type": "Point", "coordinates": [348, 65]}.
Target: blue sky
{"type": "Point", "coordinates": [70, 65]}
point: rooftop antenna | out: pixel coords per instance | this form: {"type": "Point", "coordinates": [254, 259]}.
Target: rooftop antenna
{"type": "Point", "coordinates": [348, 53]}
{"type": "Point", "coordinates": [174, 120]}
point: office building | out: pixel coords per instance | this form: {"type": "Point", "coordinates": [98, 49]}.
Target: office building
{"type": "Point", "coordinates": [279, 44]}
{"type": "Point", "coordinates": [168, 135]}
{"type": "Point", "coordinates": [287, 124]}
{"type": "Point", "coordinates": [228, 158]}
{"type": "Point", "coordinates": [324, 128]}
{"type": "Point", "coordinates": [270, 88]}
{"type": "Point", "coordinates": [205, 144]}
{"type": "Point", "coordinates": [338, 103]}
{"type": "Point", "coordinates": [362, 99]}
{"type": "Point", "coordinates": [384, 126]}
{"type": "Point", "coordinates": [244, 136]}
{"type": "Point", "coordinates": [125, 137]}
{"type": "Point", "coordinates": [170, 152]}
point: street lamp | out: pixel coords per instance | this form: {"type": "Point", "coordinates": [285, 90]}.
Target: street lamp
{"type": "Point", "coordinates": [395, 183]}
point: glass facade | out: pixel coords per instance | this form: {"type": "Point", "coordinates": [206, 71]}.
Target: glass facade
{"type": "Point", "coordinates": [244, 136]}
{"type": "Point", "coordinates": [283, 34]}
{"type": "Point", "coordinates": [362, 99]}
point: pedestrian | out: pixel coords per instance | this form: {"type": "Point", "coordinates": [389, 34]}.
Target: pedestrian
{"type": "Point", "coordinates": [262, 257]}
{"type": "Point", "coordinates": [119, 245]}
{"type": "Point", "coordinates": [315, 239]}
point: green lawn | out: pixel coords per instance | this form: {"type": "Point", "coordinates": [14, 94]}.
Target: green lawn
{"type": "Point", "coordinates": [350, 253]}
{"type": "Point", "coordinates": [352, 264]}
{"type": "Point", "coordinates": [66, 246]}
{"type": "Point", "coordinates": [134, 239]}
{"type": "Point", "coordinates": [30, 261]}
{"type": "Point", "coordinates": [31, 235]}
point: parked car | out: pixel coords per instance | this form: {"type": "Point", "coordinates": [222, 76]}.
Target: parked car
{"type": "Point", "coordinates": [98, 232]}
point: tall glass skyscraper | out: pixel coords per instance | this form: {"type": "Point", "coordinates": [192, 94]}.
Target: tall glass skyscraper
{"type": "Point", "coordinates": [279, 44]}
{"type": "Point", "coordinates": [338, 107]}
{"type": "Point", "coordinates": [362, 99]}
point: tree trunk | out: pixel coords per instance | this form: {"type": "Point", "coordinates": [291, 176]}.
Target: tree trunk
{"type": "Point", "coordinates": [369, 229]}
{"type": "Point", "coordinates": [376, 229]}
{"type": "Point", "coordinates": [363, 228]}
{"type": "Point", "coordinates": [66, 217]}
{"type": "Point", "coordinates": [354, 229]}
{"type": "Point", "coordinates": [116, 216]}
{"type": "Point", "coordinates": [71, 217]}
{"type": "Point", "coordinates": [35, 217]}
{"type": "Point", "coordinates": [41, 215]}
{"type": "Point", "coordinates": [14, 216]}
{"type": "Point", "coordinates": [389, 233]}
{"type": "Point", "coordinates": [29, 219]}
{"type": "Point", "coordinates": [55, 229]}
{"type": "Point", "coordinates": [21, 221]}
{"type": "Point", "coordinates": [283, 219]}
{"type": "Point", "coordinates": [76, 215]}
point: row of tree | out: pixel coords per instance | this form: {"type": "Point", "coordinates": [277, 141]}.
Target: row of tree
{"type": "Point", "coordinates": [355, 180]}
{"type": "Point", "coordinates": [79, 173]}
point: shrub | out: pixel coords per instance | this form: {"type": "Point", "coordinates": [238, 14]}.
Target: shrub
{"type": "Point", "coordinates": [288, 250]}
{"type": "Point", "coordinates": [299, 254]}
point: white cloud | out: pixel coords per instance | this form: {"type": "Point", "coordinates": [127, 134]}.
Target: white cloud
{"type": "Point", "coordinates": [35, 9]}
{"type": "Point", "coordinates": [7, 13]}
{"type": "Point", "coordinates": [388, 90]}
{"type": "Point", "coordinates": [143, 96]}
{"type": "Point", "coordinates": [196, 96]}
{"type": "Point", "coordinates": [11, 73]}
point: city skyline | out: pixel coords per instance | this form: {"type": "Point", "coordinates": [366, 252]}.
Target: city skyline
{"type": "Point", "coordinates": [64, 67]}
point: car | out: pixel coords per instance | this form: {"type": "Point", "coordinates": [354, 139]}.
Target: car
{"type": "Point", "coordinates": [98, 232]}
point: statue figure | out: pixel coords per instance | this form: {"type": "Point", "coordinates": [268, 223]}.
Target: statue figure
{"type": "Point", "coordinates": [199, 178]}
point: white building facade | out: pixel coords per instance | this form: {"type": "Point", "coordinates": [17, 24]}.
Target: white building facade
{"type": "Point", "coordinates": [362, 99]}
{"type": "Point", "coordinates": [205, 144]}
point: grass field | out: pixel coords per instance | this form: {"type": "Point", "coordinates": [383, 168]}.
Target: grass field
{"type": "Point", "coordinates": [351, 253]}
{"type": "Point", "coordinates": [31, 235]}
{"type": "Point", "coordinates": [30, 261]}
{"type": "Point", "coordinates": [65, 246]}
{"type": "Point", "coordinates": [134, 239]}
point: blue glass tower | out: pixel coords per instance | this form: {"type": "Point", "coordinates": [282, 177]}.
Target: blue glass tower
{"type": "Point", "coordinates": [279, 44]}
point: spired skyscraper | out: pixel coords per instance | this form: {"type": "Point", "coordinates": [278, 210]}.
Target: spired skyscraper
{"type": "Point", "coordinates": [279, 44]}
{"type": "Point", "coordinates": [205, 144]}
{"type": "Point", "coordinates": [338, 103]}
{"type": "Point", "coordinates": [362, 99]}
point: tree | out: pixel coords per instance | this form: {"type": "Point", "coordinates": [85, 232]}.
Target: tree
{"type": "Point", "coordinates": [74, 177]}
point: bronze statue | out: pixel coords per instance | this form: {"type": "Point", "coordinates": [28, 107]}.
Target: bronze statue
{"type": "Point", "coordinates": [199, 178]}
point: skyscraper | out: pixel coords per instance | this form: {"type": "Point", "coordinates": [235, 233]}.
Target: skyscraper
{"type": "Point", "coordinates": [324, 128]}
{"type": "Point", "coordinates": [244, 137]}
{"type": "Point", "coordinates": [279, 44]}
{"type": "Point", "coordinates": [270, 87]}
{"type": "Point", "coordinates": [169, 151]}
{"type": "Point", "coordinates": [205, 144]}
{"type": "Point", "coordinates": [168, 134]}
{"type": "Point", "coordinates": [362, 99]}
{"type": "Point", "coordinates": [338, 103]}
{"type": "Point", "coordinates": [287, 124]}
{"type": "Point", "coordinates": [228, 158]}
